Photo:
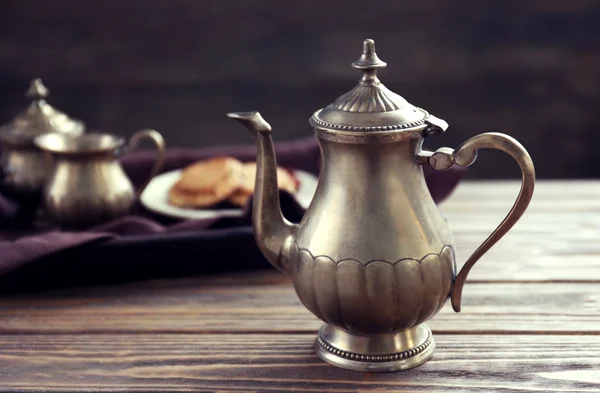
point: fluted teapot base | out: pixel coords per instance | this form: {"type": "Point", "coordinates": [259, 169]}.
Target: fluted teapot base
{"type": "Point", "coordinates": [375, 353]}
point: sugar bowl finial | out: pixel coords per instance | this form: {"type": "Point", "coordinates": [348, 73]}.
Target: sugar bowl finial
{"type": "Point", "coordinates": [37, 90]}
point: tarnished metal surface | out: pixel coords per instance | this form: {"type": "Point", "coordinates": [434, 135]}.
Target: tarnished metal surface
{"type": "Point", "coordinates": [372, 257]}
{"type": "Point", "coordinates": [86, 184]}
{"type": "Point", "coordinates": [21, 162]}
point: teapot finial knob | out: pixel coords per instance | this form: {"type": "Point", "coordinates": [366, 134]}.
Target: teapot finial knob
{"type": "Point", "coordinates": [369, 62]}
{"type": "Point", "coordinates": [37, 90]}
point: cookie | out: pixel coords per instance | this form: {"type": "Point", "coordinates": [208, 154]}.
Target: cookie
{"type": "Point", "coordinates": [285, 180]}
{"type": "Point", "coordinates": [239, 198]}
{"type": "Point", "coordinates": [210, 174]}
{"type": "Point", "coordinates": [207, 183]}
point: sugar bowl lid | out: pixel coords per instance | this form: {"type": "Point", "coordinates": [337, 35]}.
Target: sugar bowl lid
{"type": "Point", "coordinates": [39, 118]}
{"type": "Point", "coordinates": [371, 111]}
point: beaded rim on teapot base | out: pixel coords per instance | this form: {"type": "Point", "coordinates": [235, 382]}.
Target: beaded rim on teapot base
{"type": "Point", "coordinates": [403, 357]}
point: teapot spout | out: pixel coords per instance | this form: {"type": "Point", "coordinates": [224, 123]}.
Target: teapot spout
{"type": "Point", "coordinates": [274, 234]}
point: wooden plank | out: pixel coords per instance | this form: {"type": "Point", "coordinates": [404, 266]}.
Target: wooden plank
{"type": "Point", "coordinates": [286, 363]}
{"type": "Point", "coordinates": [558, 257]}
{"type": "Point", "coordinates": [555, 189]}
{"type": "Point", "coordinates": [550, 197]}
{"type": "Point", "coordinates": [268, 303]}
{"type": "Point", "coordinates": [555, 240]}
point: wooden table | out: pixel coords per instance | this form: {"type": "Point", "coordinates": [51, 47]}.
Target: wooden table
{"type": "Point", "coordinates": [530, 320]}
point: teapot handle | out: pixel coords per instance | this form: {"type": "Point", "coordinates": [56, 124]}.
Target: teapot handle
{"type": "Point", "coordinates": [159, 143]}
{"type": "Point", "coordinates": [444, 158]}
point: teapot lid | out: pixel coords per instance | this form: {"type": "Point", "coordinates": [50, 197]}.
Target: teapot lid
{"type": "Point", "coordinates": [39, 118]}
{"type": "Point", "coordinates": [371, 111]}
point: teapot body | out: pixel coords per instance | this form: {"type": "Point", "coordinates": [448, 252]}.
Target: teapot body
{"type": "Point", "coordinates": [84, 191]}
{"type": "Point", "coordinates": [372, 254]}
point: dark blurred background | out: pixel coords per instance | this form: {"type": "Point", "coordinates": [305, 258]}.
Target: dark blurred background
{"type": "Point", "coordinates": [527, 68]}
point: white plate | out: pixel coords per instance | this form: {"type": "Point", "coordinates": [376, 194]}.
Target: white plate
{"type": "Point", "coordinates": [155, 197]}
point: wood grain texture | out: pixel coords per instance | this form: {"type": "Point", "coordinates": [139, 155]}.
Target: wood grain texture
{"type": "Point", "coordinates": [544, 276]}
{"type": "Point", "coordinates": [555, 240]}
{"type": "Point", "coordinates": [286, 363]}
{"type": "Point", "coordinates": [530, 319]}
{"type": "Point", "coordinates": [267, 303]}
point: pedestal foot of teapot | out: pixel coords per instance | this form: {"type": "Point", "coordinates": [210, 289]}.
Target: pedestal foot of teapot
{"type": "Point", "coordinates": [375, 353]}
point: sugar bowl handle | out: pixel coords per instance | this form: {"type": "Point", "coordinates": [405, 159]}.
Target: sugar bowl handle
{"type": "Point", "coordinates": [159, 143]}
{"type": "Point", "coordinates": [444, 158]}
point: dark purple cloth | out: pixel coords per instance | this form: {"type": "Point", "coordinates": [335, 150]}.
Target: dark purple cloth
{"type": "Point", "coordinates": [19, 248]}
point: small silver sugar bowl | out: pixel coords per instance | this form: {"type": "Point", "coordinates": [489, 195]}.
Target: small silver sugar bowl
{"type": "Point", "coordinates": [22, 163]}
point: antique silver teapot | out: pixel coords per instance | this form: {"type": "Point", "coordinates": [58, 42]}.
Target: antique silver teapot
{"type": "Point", "coordinates": [372, 257]}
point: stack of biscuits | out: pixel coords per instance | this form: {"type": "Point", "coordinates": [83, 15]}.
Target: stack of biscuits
{"type": "Point", "coordinates": [221, 181]}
